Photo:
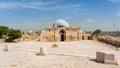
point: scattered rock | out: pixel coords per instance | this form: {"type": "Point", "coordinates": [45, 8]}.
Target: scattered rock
{"type": "Point", "coordinates": [43, 52]}
{"type": "Point", "coordinates": [54, 46]}
{"type": "Point", "coordinates": [13, 65]}
{"type": "Point", "coordinates": [16, 40]}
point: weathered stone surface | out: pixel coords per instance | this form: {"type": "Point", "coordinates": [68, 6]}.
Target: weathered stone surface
{"type": "Point", "coordinates": [110, 41]}
{"type": "Point", "coordinates": [109, 58]}
{"type": "Point", "coordinates": [100, 56]}
{"type": "Point", "coordinates": [105, 57]}
{"type": "Point", "coordinates": [54, 46]}
{"type": "Point", "coordinates": [43, 52]}
{"type": "Point", "coordinates": [60, 33]}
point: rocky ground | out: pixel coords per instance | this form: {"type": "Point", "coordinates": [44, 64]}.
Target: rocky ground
{"type": "Point", "coordinates": [78, 54]}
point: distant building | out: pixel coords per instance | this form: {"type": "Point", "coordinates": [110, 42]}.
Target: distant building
{"type": "Point", "coordinates": [61, 31]}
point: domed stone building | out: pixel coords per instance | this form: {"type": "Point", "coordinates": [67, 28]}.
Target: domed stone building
{"type": "Point", "coordinates": [61, 31]}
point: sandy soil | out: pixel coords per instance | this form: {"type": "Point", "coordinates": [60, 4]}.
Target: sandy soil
{"type": "Point", "coordinates": [79, 54]}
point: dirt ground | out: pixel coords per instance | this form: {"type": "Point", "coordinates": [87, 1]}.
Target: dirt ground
{"type": "Point", "coordinates": [77, 54]}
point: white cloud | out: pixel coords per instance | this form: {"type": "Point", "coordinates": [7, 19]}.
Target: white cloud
{"type": "Point", "coordinates": [10, 5]}
{"type": "Point", "coordinates": [39, 5]}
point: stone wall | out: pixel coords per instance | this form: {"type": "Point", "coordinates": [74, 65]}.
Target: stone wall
{"type": "Point", "coordinates": [110, 41]}
{"type": "Point", "coordinates": [71, 34]}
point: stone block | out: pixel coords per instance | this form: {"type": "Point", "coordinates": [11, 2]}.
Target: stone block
{"type": "Point", "coordinates": [105, 57]}
{"type": "Point", "coordinates": [109, 58]}
{"type": "Point", "coordinates": [100, 57]}
{"type": "Point", "coordinates": [54, 46]}
{"type": "Point", "coordinates": [43, 52]}
{"type": "Point", "coordinates": [8, 48]}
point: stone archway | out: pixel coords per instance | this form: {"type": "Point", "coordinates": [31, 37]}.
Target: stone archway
{"type": "Point", "coordinates": [62, 33]}
{"type": "Point", "coordinates": [83, 38]}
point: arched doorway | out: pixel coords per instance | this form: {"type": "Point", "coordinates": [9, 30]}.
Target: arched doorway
{"type": "Point", "coordinates": [62, 33]}
{"type": "Point", "coordinates": [88, 37]}
{"type": "Point", "coordinates": [82, 37]}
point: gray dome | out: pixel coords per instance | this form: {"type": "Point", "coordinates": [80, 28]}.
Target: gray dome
{"type": "Point", "coordinates": [61, 23]}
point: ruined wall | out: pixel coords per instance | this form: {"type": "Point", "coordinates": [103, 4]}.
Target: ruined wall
{"type": "Point", "coordinates": [71, 34]}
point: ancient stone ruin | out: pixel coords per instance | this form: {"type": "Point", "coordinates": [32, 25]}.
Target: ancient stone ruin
{"type": "Point", "coordinates": [105, 57]}
{"type": "Point", "coordinates": [110, 41]}
{"type": "Point", "coordinates": [7, 48]}
{"type": "Point", "coordinates": [43, 52]}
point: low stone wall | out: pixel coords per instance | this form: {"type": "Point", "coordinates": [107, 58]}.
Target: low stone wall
{"type": "Point", "coordinates": [110, 41]}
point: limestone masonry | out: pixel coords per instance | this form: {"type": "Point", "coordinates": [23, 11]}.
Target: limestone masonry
{"type": "Point", "coordinates": [61, 31]}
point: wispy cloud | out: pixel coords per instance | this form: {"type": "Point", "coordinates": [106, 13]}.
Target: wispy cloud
{"type": "Point", "coordinates": [32, 4]}
{"type": "Point", "coordinates": [39, 5]}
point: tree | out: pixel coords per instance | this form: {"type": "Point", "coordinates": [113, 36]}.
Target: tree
{"type": "Point", "coordinates": [96, 32]}
{"type": "Point", "coordinates": [3, 31]}
{"type": "Point", "coordinates": [14, 34]}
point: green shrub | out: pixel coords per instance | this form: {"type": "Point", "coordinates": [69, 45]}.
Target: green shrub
{"type": "Point", "coordinates": [14, 34]}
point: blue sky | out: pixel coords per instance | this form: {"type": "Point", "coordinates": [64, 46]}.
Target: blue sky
{"type": "Point", "coordinates": [38, 14]}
